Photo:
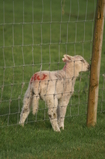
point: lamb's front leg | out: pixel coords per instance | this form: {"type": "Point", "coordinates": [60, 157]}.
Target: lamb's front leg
{"type": "Point", "coordinates": [62, 106]}
{"type": "Point", "coordinates": [52, 104]}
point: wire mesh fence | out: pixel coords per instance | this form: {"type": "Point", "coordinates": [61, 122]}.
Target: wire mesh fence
{"type": "Point", "coordinates": [34, 37]}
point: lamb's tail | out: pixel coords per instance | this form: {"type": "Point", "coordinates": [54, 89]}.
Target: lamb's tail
{"type": "Point", "coordinates": [35, 102]}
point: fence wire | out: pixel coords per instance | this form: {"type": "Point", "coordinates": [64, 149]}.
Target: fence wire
{"type": "Point", "coordinates": [34, 37]}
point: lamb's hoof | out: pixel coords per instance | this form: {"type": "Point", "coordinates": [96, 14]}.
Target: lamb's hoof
{"type": "Point", "coordinates": [57, 130]}
{"type": "Point", "coordinates": [21, 124]}
{"type": "Point", "coordinates": [61, 126]}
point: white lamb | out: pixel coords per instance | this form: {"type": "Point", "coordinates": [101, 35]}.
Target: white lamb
{"type": "Point", "coordinates": [55, 88]}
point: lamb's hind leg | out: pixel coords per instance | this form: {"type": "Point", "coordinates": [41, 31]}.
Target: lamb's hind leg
{"type": "Point", "coordinates": [52, 104]}
{"type": "Point", "coordinates": [25, 110]}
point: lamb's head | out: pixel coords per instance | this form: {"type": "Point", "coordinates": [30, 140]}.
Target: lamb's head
{"type": "Point", "coordinates": [81, 63]}
{"type": "Point", "coordinates": [77, 62]}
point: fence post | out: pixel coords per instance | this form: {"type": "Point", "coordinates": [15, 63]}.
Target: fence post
{"type": "Point", "coordinates": [95, 64]}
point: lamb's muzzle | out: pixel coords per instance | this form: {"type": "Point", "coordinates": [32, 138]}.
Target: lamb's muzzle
{"type": "Point", "coordinates": [55, 88]}
{"type": "Point", "coordinates": [89, 67]}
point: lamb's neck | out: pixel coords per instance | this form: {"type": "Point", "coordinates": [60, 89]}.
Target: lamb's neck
{"type": "Point", "coordinates": [69, 70]}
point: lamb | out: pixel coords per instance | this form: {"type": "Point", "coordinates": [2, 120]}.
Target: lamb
{"type": "Point", "coordinates": [55, 88]}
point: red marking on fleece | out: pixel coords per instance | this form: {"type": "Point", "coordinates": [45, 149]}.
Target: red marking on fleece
{"type": "Point", "coordinates": [43, 77]}
{"type": "Point", "coordinates": [64, 68]}
{"type": "Point", "coordinates": [37, 77]}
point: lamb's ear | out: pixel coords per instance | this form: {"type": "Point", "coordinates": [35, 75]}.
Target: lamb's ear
{"type": "Point", "coordinates": [67, 58]}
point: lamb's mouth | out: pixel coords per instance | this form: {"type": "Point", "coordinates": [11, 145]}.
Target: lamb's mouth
{"type": "Point", "coordinates": [89, 67]}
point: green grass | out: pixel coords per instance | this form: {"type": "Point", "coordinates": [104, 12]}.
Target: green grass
{"type": "Point", "coordinates": [61, 33]}
{"type": "Point", "coordinates": [39, 141]}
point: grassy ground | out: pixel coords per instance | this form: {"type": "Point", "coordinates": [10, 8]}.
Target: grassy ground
{"type": "Point", "coordinates": [39, 141]}
{"type": "Point", "coordinates": [23, 47]}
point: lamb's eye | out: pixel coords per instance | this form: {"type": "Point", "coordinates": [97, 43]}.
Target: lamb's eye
{"type": "Point", "coordinates": [82, 61]}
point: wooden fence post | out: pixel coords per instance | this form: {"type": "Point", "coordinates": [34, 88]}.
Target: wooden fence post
{"type": "Point", "coordinates": [95, 64]}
